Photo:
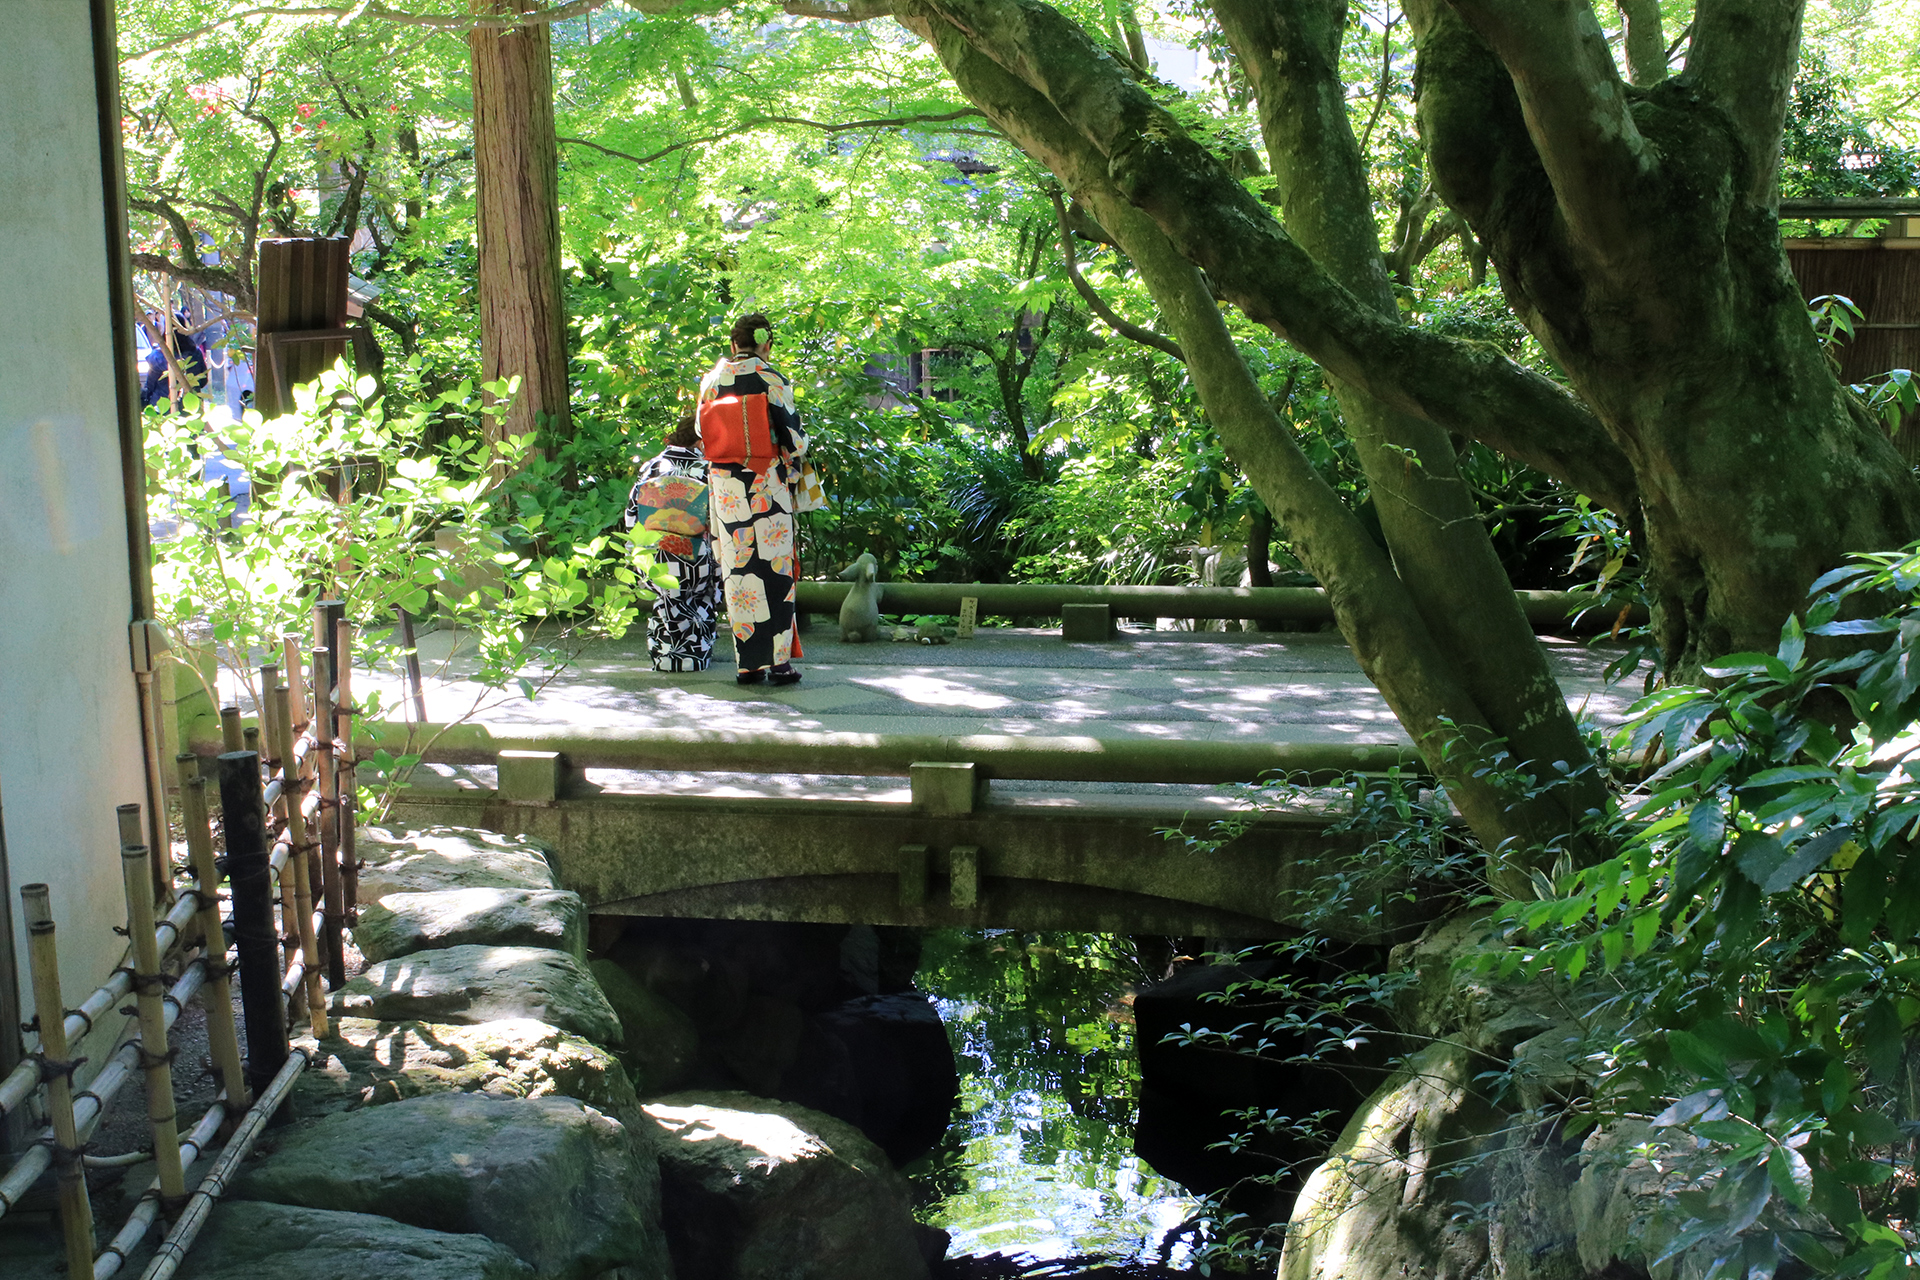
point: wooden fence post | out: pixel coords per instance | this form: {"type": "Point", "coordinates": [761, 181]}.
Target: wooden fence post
{"type": "Point", "coordinates": [248, 870]}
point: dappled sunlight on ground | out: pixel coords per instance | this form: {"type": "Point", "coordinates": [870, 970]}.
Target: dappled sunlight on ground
{"type": "Point", "coordinates": [1165, 686]}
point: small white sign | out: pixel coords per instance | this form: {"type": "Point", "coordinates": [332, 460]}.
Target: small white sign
{"type": "Point", "coordinates": [969, 614]}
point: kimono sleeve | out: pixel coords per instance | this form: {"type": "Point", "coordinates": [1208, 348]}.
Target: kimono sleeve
{"type": "Point", "coordinates": [783, 417]}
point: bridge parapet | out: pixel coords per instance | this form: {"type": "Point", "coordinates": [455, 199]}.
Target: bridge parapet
{"type": "Point", "coordinates": [1096, 861]}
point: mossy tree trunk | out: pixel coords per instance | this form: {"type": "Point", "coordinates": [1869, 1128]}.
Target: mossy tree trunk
{"type": "Point", "coordinates": [1635, 234]}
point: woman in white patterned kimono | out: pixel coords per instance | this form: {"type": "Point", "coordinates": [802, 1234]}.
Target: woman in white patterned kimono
{"type": "Point", "coordinates": [680, 627]}
{"type": "Point", "coordinates": [751, 510]}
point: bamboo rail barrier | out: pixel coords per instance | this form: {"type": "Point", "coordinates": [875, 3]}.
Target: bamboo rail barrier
{"type": "Point", "coordinates": [279, 964]}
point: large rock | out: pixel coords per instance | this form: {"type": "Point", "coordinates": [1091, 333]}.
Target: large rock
{"type": "Point", "coordinates": [246, 1240]}
{"type": "Point", "coordinates": [759, 1190]}
{"type": "Point", "coordinates": [904, 1082]}
{"type": "Point", "coordinates": [662, 1046]}
{"type": "Point", "coordinates": [399, 924]}
{"type": "Point", "coordinates": [365, 1063]}
{"type": "Point", "coordinates": [1386, 1200]}
{"type": "Point", "coordinates": [565, 1187]}
{"type": "Point", "coordinates": [435, 858]}
{"type": "Point", "coordinates": [473, 984]}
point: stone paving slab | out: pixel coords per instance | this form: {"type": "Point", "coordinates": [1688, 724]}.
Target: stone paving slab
{"type": "Point", "coordinates": [1176, 686]}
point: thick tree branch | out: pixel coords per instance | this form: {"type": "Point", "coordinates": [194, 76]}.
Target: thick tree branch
{"type": "Point", "coordinates": [1254, 263]}
{"type": "Point", "coordinates": [1646, 44]}
{"type": "Point", "coordinates": [1743, 56]}
{"type": "Point", "coordinates": [1290, 50]}
{"type": "Point", "coordinates": [1098, 305]}
{"type": "Point", "coordinates": [1389, 635]}
{"type": "Point", "coordinates": [1432, 524]}
{"type": "Point", "coordinates": [1575, 106]}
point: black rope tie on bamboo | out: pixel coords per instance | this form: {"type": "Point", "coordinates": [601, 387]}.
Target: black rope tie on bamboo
{"type": "Point", "coordinates": [151, 984]}
{"type": "Point", "coordinates": [60, 1153]}
{"type": "Point", "coordinates": [58, 1068]}
{"type": "Point", "coordinates": [150, 1059]}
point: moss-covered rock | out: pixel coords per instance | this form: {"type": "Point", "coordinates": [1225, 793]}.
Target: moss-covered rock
{"type": "Point", "coordinates": [399, 924]}
{"type": "Point", "coordinates": [565, 1187]}
{"type": "Point", "coordinates": [661, 1045]}
{"type": "Point", "coordinates": [366, 1063]}
{"type": "Point", "coordinates": [762, 1190]}
{"type": "Point", "coordinates": [246, 1240]}
{"type": "Point", "coordinates": [474, 984]}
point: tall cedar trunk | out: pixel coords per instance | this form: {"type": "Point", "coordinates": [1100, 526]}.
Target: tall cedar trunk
{"type": "Point", "coordinates": [1685, 333]}
{"type": "Point", "coordinates": [516, 178]}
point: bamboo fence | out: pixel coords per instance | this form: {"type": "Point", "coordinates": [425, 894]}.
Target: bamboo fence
{"type": "Point", "coordinates": [287, 815]}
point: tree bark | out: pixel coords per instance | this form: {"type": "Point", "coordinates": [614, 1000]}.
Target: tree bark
{"type": "Point", "coordinates": [516, 180]}
{"type": "Point", "coordinates": [1645, 41]}
{"type": "Point", "coordinates": [1667, 300]}
{"type": "Point", "coordinates": [1290, 50]}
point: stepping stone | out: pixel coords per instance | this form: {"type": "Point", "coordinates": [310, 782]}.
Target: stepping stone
{"type": "Point", "coordinates": [245, 1240]}
{"type": "Point", "coordinates": [474, 984]}
{"type": "Point", "coordinates": [433, 858]}
{"type": "Point", "coordinates": [366, 1063]}
{"type": "Point", "coordinates": [398, 924]}
{"type": "Point", "coordinates": [568, 1189]}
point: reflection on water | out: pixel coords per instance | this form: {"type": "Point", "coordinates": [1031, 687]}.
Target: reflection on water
{"type": "Point", "coordinates": [1039, 1160]}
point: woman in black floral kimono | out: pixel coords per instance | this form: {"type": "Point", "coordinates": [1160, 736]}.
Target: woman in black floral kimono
{"type": "Point", "coordinates": [751, 509]}
{"type": "Point", "coordinates": [668, 496]}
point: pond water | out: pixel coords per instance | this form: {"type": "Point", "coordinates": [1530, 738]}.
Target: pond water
{"type": "Point", "coordinates": [1039, 1160]}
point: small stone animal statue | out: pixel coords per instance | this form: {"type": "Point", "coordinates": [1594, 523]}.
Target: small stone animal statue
{"type": "Point", "coordinates": [860, 611]}
{"type": "Point", "coordinates": [929, 632]}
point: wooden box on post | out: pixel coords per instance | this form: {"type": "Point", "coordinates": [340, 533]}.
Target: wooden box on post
{"type": "Point", "coordinates": [301, 326]}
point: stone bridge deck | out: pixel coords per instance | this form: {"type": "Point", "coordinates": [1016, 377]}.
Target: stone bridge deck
{"type": "Point", "coordinates": [1164, 686]}
{"type": "Point", "coordinates": [770, 840]}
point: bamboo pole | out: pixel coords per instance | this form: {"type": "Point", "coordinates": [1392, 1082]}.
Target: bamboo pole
{"type": "Point", "coordinates": [271, 708]}
{"type": "Point", "coordinates": [149, 996]}
{"type": "Point", "coordinates": [261, 1000]}
{"type": "Point", "coordinates": [223, 1038]}
{"type": "Point", "coordinates": [333, 893]}
{"type": "Point", "coordinates": [230, 739]}
{"type": "Point", "coordinates": [140, 1221]}
{"type": "Point", "coordinates": [173, 1250]}
{"type": "Point", "coordinates": [25, 1079]}
{"type": "Point", "coordinates": [149, 642]}
{"type": "Point", "coordinates": [76, 1211]}
{"type": "Point", "coordinates": [343, 768]}
{"type": "Point", "coordinates": [128, 816]}
{"type": "Point", "coordinates": [90, 1104]}
{"type": "Point", "coordinates": [292, 793]}
{"type": "Point", "coordinates": [296, 697]}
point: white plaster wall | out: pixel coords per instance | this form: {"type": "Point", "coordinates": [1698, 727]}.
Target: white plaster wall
{"type": "Point", "coordinates": [70, 745]}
